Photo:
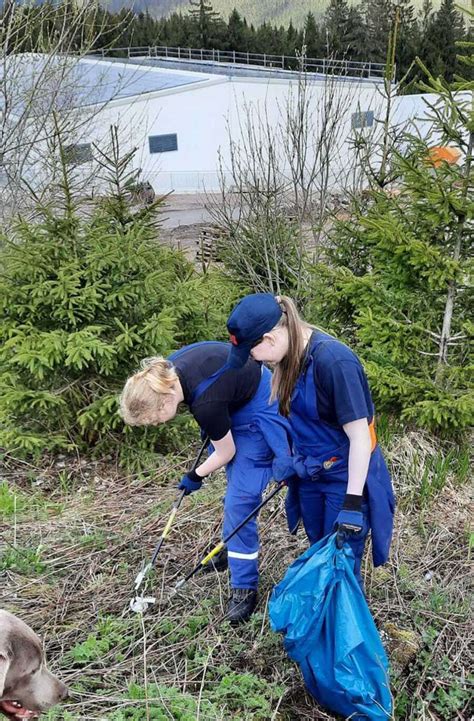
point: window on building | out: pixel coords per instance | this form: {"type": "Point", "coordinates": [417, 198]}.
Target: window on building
{"type": "Point", "coordinates": [364, 119]}
{"type": "Point", "coordinates": [78, 154]}
{"type": "Point", "coordinates": [163, 143]}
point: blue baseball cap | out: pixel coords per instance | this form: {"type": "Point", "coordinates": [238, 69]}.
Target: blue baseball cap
{"type": "Point", "coordinates": [254, 316]}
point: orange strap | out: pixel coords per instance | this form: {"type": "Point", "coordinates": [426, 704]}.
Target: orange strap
{"type": "Point", "coordinates": [373, 435]}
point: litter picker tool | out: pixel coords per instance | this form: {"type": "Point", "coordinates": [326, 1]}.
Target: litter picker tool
{"type": "Point", "coordinates": [227, 538]}
{"type": "Point", "coordinates": [139, 604]}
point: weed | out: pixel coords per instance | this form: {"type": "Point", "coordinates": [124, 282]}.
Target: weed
{"type": "Point", "coordinates": [65, 482]}
{"type": "Point", "coordinates": [402, 704]}
{"type": "Point", "coordinates": [246, 695]}
{"type": "Point", "coordinates": [435, 475]}
{"type": "Point", "coordinates": [110, 633]}
{"type": "Point", "coordinates": [237, 696]}
{"type": "Point", "coordinates": [164, 704]}
{"type": "Point", "coordinates": [11, 502]}
{"type": "Point", "coordinates": [96, 539]}
{"type": "Point", "coordinates": [16, 504]}
{"type": "Point", "coordinates": [92, 649]}
{"type": "Point", "coordinates": [449, 696]}
{"type": "Point", "coordinates": [22, 560]}
{"type": "Point", "coordinates": [448, 701]}
{"type": "Point", "coordinates": [59, 714]}
{"type": "Point", "coordinates": [187, 631]}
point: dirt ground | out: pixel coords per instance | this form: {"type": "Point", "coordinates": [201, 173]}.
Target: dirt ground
{"type": "Point", "coordinates": [184, 218]}
{"type": "Point", "coordinates": [184, 210]}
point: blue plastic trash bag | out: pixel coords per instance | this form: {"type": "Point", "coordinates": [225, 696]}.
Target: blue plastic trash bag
{"type": "Point", "coordinates": [329, 631]}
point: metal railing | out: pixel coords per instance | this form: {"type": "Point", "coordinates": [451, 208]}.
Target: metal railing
{"type": "Point", "coordinates": [325, 66]}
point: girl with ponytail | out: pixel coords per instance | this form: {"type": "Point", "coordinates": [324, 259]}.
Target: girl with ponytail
{"type": "Point", "coordinates": [340, 481]}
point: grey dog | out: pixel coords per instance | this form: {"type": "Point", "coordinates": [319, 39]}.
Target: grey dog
{"type": "Point", "coordinates": [27, 688]}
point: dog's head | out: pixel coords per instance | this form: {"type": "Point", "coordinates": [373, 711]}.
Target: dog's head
{"type": "Point", "coordinates": [27, 688]}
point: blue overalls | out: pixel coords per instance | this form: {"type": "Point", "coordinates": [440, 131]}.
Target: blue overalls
{"type": "Point", "coordinates": [321, 455]}
{"type": "Point", "coordinates": [260, 435]}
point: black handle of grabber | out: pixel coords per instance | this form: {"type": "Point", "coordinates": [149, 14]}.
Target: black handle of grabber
{"type": "Point", "coordinates": [227, 538]}
{"type": "Point", "coordinates": [205, 444]}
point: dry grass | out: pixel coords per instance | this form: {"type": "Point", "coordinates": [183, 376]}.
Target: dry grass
{"type": "Point", "coordinates": [80, 531]}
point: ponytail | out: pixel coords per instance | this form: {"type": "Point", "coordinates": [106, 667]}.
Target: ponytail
{"type": "Point", "coordinates": [286, 372]}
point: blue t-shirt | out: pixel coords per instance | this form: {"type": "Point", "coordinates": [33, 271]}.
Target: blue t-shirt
{"type": "Point", "coordinates": [342, 390]}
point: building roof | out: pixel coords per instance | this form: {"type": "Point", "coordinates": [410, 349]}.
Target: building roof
{"type": "Point", "coordinates": [42, 83]}
{"type": "Point", "coordinates": [46, 83]}
{"type": "Point", "coordinates": [112, 80]}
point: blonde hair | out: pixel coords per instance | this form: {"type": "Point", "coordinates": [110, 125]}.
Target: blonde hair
{"type": "Point", "coordinates": [142, 393]}
{"type": "Point", "coordinates": [286, 372]}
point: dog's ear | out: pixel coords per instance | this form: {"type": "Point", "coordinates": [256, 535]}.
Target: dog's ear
{"type": "Point", "coordinates": [4, 664]}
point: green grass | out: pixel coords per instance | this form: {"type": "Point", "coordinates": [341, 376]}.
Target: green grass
{"type": "Point", "coordinates": [12, 502]}
{"type": "Point", "coordinates": [449, 696]}
{"type": "Point", "coordinates": [16, 504]}
{"type": "Point", "coordinates": [429, 471]}
{"type": "Point", "coordinates": [25, 561]}
{"type": "Point", "coordinates": [165, 704]}
{"type": "Point", "coordinates": [109, 634]}
{"type": "Point", "coordinates": [197, 665]}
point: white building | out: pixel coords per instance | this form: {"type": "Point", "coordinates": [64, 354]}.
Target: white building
{"type": "Point", "coordinates": [182, 129]}
{"type": "Point", "coordinates": [183, 116]}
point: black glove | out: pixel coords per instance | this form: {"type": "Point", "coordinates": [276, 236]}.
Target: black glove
{"type": "Point", "coordinates": [350, 520]}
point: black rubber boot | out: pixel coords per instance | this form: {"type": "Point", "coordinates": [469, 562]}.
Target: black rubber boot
{"type": "Point", "coordinates": [241, 605]}
{"type": "Point", "coordinates": [219, 563]}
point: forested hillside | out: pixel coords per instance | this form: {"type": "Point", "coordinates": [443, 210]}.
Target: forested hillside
{"type": "Point", "coordinates": [274, 11]}
{"type": "Point", "coordinates": [344, 31]}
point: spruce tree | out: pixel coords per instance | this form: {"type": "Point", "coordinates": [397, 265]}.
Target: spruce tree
{"type": "Point", "coordinates": [426, 15]}
{"type": "Point", "coordinates": [446, 30]}
{"type": "Point", "coordinates": [294, 40]}
{"type": "Point", "coordinates": [397, 284]}
{"type": "Point", "coordinates": [336, 23]}
{"type": "Point", "coordinates": [237, 33]}
{"type": "Point", "coordinates": [312, 38]}
{"type": "Point", "coordinates": [428, 50]}
{"type": "Point", "coordinates": [83, 298]}
{"type": "Point", "coordinates": [356, 36]}
{"type": "Point", "coordinates": [253, 42]}
{"type": "Point", "coordinates": [206, 24]}
{"type": "Point", "coordinates": [408, 36]}
{"type": "Point", "coordinates": [177, 31]}
{"type": "Point", "coordinates": [345, 31]}
{"type": "Point", "coordinates": [378, 17]}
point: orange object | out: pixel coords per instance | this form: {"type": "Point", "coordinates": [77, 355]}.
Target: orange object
{"type": "Point", "coordinates": [373, 435]}
{"type": "Point", "coordinates": [443, 154]}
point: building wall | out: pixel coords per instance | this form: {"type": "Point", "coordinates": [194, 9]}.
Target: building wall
{"type": "Point", "coordinates": [204, 119]}
{"type": "Point", "coordinates": [207, 118]}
